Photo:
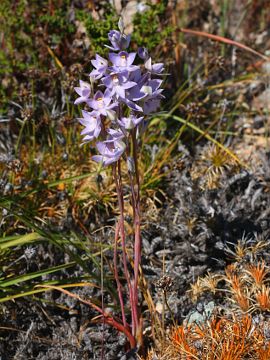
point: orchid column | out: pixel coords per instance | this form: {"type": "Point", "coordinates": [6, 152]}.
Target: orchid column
{"type": "Point", "coordinates": [113, 118]}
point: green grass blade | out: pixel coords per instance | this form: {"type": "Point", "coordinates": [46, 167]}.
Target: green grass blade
{"type": "Point", "coordinates": [208, 137]}
{"type": "Point", "coordinates": [20, 240]}
{"type": "Point", "coordinates": [26, 277]}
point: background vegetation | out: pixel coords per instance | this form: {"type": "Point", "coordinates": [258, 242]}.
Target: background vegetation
{"type": "Point", "coordinates": [57, 210]}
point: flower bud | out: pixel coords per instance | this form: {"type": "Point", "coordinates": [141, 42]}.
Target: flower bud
{"type": "Point", "coordinates": [143, 53]}
{"type": "Point", "coordinates": [121, 25]}
{"type": "Point", "coordinates": [130, 165]}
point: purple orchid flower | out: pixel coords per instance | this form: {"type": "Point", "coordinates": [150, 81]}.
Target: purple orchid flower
{"type": "Point", "coordinates": [118, 40]}
{"type": "Point", "coordinates": [152, 88]}
{"type": "Point", "coordinates": [110, 151]}
{"type": "Point", "coordinates": [138, 77]}
{"type": "Point", "coordinates": [123, 61]}
{"type": "Point", "coordinates": [156, 69]}
{"type": "Point", "coordinates": [92, 124]}
{"type": "Point", "coordinates": [130, 122]}
{"type": "Point", "coordinates": [135, 94]}
{"type": "Point", "coordinates": [117, 83]}
{"type": "Point", "coordinates": [100, 65]}
{"type": "Point", "coordinates": [153, 95]}
{"type": "Point", "coordinates": [84, 91]}
{"type": "Point", "coordinates": [128, 89]}
{"type": "Point", "coordinates": [101, 103]}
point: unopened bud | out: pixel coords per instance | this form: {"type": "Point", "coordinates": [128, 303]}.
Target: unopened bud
{"type": "Point", "coordinates": [143, 53]}
{"type": "Point", "coordinates": [121, 25]}
{"type": "Point", "coordinates": [130, 165]}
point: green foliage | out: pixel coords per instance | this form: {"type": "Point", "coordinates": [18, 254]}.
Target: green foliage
{"type": "Point", "coordinates": [16, 30]}
{"type": "Point", "coordinates": [17, 281]}
{"type": "Point", "coordinates": [98, 30]}
{"type": "Point", "coordinates": [27, 26]}
{"type": "Point", "coordinates": [58, 25]}
{"type": "Point", "coordinates": [26, 29]}
{"type": "Point", "coordinates": [149, 28]}
{"type": "Point", "coordinates": [11, 20]}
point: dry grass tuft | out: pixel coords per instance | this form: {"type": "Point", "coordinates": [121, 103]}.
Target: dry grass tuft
{"type": "Point", "coordinates": [211, 166]}
{"type": "Point", "coordinates": [234, 338]}
{"type": "Point", "coordinates": [240, 328]}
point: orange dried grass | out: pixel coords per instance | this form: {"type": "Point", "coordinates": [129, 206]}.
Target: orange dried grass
{"type": "Point", "coordinates": [222, 339]}
{"type": "Point", "coordinates": [258, 273]}
{"type": "Point", "coordinates": [263, 298]}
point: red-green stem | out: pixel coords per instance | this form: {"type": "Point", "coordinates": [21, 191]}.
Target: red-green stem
{"type": "Point", "coordinates": [224, 40]}
{"type": "Point", "coordinates": [108, 319]}
{"type": "Point", "coordinates": [135, 289]}
{"type": "Point", "coordinates": [137, 225]}
{"type": "Point", "coordinates": [119, 190]}
{"type": "Point", "coordinates": [123, 329]}
{"type": "Point", "coordinates": [119, 286]}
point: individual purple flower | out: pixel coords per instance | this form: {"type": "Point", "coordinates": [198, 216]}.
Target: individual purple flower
{"type": "Point", "coordinates": [92, 124]}
{"type": "Point", "coordinates": [110, 151]}
{"type": "Point", "coordinates": [135, 94]}
{"type": "Point", "coordinates": [123, 61]}
{"type": "Point", "coordinates": [130, 122]}
{"type": "Point", "coordinates": [138, 77]}
{"type": "Point", "coordinates": [101, 103]}
{"type": "Point", "coordinates": [118, 40]}
{"type": "Point", "coordinates": [143, 53]}
{"type": "Point", "coordinates": [117, 83]}
{"type": "Point", "coordinates": [100, 65]}
{"type": "Point", "coordinates": [84, 91]}
{"type": "Point", "coordinates": [155, 68]}
{"type": "Point", "coordinates": [152, 88]}
{"type": "Point", "coordinates": [153, 95]}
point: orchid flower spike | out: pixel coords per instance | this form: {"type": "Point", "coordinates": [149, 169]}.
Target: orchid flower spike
{"type": "Point", "coordinates": [125, 93]}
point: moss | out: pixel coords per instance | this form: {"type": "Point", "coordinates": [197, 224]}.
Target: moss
{"type": "Point", "coordinates": [98, 30]}
{"type": "Point", "coordinates": [149, 28]}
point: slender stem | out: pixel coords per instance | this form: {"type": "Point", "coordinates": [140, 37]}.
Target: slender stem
{"type": "Point", "coordinates": [122, 229]}
{"type": "Point", "coordinates": [34, 139]}
{"type": "Point", "coordinates": [102, 299]}
{"type": "Point", "coordinates": [107, 318]}
{"type": "Point", "coordinates": [169, 308]}
{"type": "Point", "coordinates": [17, 146]}
{"type": "Point", "coordinates": [119, 189]}
{"type": "Point", "coordinates": [121, 328]}
{"type": "Point", "coordinates": [135, 157]}
{"type": "Point", "coordinates": [137, 225]}
{"type": "Point", "coordinates": [133, 195]}
{"type": "Point", "coordinates": [163, 318]}
{"type": "Point", "coordinates": [119, 286]}
{"type": "Point", "coordinates": [135, 287]}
